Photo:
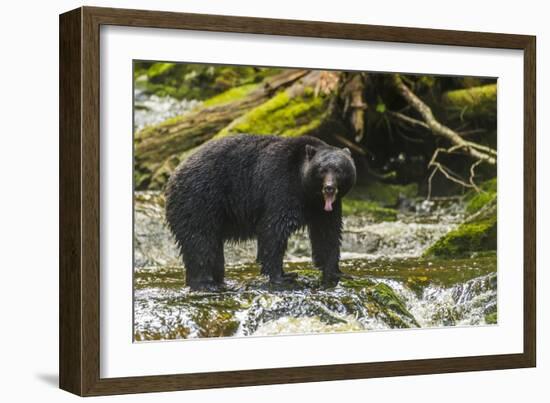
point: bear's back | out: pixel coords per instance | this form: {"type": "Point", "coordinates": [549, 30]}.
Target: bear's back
{"type": "Point", "coordinates": [220, 184]}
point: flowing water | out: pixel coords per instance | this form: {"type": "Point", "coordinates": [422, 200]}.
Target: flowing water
{"type": "Point", "coordinates": [389, 284]}
{"type": "Point", "coordinates": [152, 109]}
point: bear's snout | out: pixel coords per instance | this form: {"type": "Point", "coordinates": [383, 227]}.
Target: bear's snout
{"type": "Point", "coordinates": [329, 191]}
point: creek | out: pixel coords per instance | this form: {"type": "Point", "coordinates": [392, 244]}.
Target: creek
{"type": "Point", "coordinates": [389, 285]}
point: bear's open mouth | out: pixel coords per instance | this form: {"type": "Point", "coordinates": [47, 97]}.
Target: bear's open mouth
{"type": "Point", "coordinates": [329, 199]}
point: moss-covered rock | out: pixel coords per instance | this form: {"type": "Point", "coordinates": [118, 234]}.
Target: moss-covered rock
{"type": "Point", "coordinates": [390, 194]}
{"type": "Point", "coordinates": [477, 234]}
{"type": "Point", "coordinates": [467, 238]}
{"type": "Point", "coordinates": [385, 194]}
{"type": "Point", "coordinates": [368, 208]}
{"type": "Point", "coordinates": [377, 200]}
{"type": "Point", "coordinates": [477, 200]}
{"type": "Point", "coordinates": [395, 311]}
{"type": "Point", "coordinates": [216, 322]}
{"type": "Point", "coordinates": [491, 318]}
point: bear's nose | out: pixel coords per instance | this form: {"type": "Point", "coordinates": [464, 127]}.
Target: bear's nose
{"type": "Point", "coordinates": [329, 189]}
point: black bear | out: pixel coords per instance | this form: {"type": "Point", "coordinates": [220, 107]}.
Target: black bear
{"type": "Point", "coordinates": [263, 187]}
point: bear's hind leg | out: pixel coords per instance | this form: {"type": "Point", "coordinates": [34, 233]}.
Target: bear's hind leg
{"type": "Point", "coordinates": [266, 267]}
{"type": "Point", "coordinates": [204, 263]}
{"type": "Point", "coordinates": [271, 251]}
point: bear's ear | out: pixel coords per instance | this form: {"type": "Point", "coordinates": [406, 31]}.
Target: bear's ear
{"type": "Point", "coordinates": [310, 151]}
{"type": "Point", "coordinates": [346, 150]}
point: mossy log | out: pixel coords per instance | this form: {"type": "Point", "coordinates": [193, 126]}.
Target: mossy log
{"type": "Point", "coordinates": [474, 102]}
{"type": "Point", "coordinates": [298, 110]}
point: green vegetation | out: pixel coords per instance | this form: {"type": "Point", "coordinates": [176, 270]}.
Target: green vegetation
{"type": "Point", "coordinates": [478, 233]}
{"type": "Point", "coordinates": [467, 238]}
{"type": "Point", "coordinates": [473, 101]}
{"type": "Point", "coordinates": [387, 297]}
{"type": "Point", "coordinates": [491, 318]}
{"type": "Point", "coordinates": [195, 81]}
{"type": "Point", "coordinates": [230, 95]}
{"type": "Point", "coordinates": [281, 115]}
{"type": "Point", "coordinates": [216, 322]}
{"type": "Point", "coordinates": [366, 112]}
{"type": "Point", "coordinates": [385, 194]}
{"type": "Point", "coordinates": [377, 200]}
{"type": "Point", "coordinates": [476, 200]}
{"type": "Point", "coordinates": [368, 208]}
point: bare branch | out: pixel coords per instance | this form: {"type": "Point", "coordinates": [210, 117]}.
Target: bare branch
{"type": "Point", "coordinates": [408, 119]}
{"type": "Point", "coordinates": [448, 173]}
{"type": "Point", "coordinates": [430, 183]}
{"type": "Point", "coordinates": [472, 175]}
{"type": "Point", "coordinates": [350, 144]}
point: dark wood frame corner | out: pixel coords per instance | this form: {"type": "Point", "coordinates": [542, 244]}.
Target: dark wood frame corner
{"type": "Point", "coordinates": [79, 201]}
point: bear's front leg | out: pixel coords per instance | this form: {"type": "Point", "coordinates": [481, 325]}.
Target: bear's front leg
{"type": "Point", "coordinates": [325, 233]}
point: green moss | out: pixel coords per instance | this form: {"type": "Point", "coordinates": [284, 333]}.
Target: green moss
{"type": "Point", "coordinates": [357, 283]}
{"type": "Point", "coordinates": [479, 235]}
{"type": "Point", "coordinates": [216, 323]}
{"type": "Point", "coordinates": [476, 200]}
{"type": "Point", "coordinates": [365, 207]}
{"type": "Point", "coordinates": [383, 193]}
{"type": "Point", "coordinates": [159, 69]}
{"type": "Point", "coordinates": [428, 81]}
{"type": "Point", "coordinates": [195, 81]}
{"type": "Point", "coordinates": [473, 95]}
{"type": "Point", "coordinates": [389, 194]}
{"type": "Point", "coordinates": [491, 318]}
{"type": "Point", "coordinates": [387, 298]}
{"type": "Point", "coordinates": [281, 115]}
{"type": "Point", "coordinates": [474, 101]}
{"type": "Point", "coordinates": [381, 107]}
{"type": "Point", "coordinates": [230, 95]}
{"type": "Point", "coordinates": [376, 200]}
{"type": "Point", "coordinates": [180, 332]}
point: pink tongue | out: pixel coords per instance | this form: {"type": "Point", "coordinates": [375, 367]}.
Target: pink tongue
{"type": "Point", "coordinates": [328, 204]}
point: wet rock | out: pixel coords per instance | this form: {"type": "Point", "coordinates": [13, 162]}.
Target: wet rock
{"type": "Point", "coordinates": [477, 234]}
{"type": "Point", "coordinates": [375, 295]}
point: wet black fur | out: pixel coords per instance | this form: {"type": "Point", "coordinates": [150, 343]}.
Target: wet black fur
{"type": "Point", "coordinates": [256, 187]}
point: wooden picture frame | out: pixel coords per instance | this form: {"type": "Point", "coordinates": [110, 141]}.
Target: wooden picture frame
{"type": "Point", "coordinates": [79, 318]}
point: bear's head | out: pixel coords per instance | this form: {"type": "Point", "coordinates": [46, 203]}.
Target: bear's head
{"type": "Point", "coordinates": [328, 173]}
